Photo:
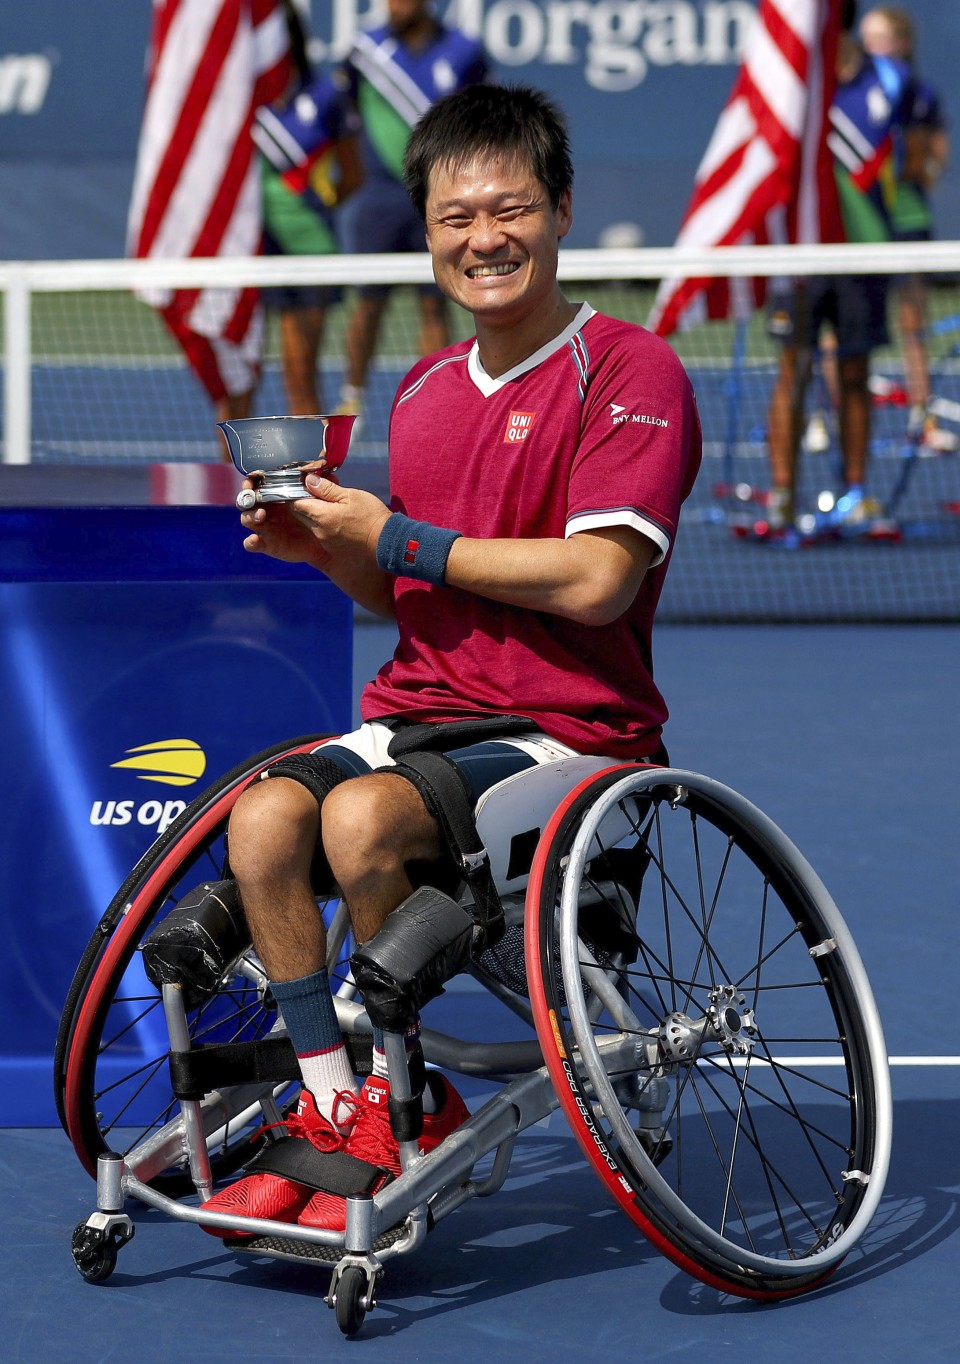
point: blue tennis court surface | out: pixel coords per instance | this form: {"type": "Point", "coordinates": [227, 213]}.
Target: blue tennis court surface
{"type": "Point", "coordinates": [848, 738]}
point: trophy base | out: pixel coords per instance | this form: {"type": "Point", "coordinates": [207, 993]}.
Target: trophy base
{"type": "Point", "coordinates": [277, 486]}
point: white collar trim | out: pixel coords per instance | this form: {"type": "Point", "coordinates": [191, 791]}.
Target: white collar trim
{"type": "Point", "coordinates": [489, 386]}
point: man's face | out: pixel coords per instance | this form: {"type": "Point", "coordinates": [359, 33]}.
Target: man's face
{"type": "Point", "coordinates": [877, 36]}
{"type": "Point", "coordinates": [406, 14]}
{"type": "Point", "coordinates": [493, 235]}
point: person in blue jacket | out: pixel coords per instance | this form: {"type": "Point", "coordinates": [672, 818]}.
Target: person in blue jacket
{"type": "Point", "coordinates": [393, 74]}
{"type": "Point", "coordinates": [310, 163]}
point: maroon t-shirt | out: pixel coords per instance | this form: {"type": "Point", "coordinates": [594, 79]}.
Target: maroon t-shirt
{"type": "Point", "coordinates": [598, 428]}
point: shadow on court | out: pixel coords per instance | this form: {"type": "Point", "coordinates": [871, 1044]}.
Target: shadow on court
{"type": "Point", "coordinates": [550, 1231]}
{"type": "Point", "coordinates": [919, 1211]}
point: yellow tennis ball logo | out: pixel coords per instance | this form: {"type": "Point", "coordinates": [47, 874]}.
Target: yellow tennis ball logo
{"type": "Point", "coordinates": [172, 762]}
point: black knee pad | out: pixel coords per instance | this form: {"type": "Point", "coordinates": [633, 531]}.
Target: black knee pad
{"type": "Point", "coordinates": [196, 942]}
{"type": "Point", "coordinates": [422, 944]}
{"type": "Point", "coordinates": [319, 774]}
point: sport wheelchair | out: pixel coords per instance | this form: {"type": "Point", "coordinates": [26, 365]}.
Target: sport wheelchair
{"type": "Point", "coordinates": [690, 996]}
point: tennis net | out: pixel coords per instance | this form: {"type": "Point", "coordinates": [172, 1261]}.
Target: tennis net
{"type": "Point", "coordinates": [92, 378]}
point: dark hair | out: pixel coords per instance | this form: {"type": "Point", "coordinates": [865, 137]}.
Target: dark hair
{"type": "Point", "coordinates": [506, 120]}
{"type": "Point", "coordinates": [848, 15]}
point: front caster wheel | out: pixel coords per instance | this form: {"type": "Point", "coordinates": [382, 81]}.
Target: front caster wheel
{"type": "Point", "coordinates": [95, 1250]}
{"type": "Point", "coordinates": [351, 1301]}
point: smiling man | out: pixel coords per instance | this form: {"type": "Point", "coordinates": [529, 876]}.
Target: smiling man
{"type": "Point", "coordinates": [536, 474]}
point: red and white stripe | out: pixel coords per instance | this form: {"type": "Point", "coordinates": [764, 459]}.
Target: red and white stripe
{"type": "Point", "coordinates": [767, 174]}
{"type": "Point", "coordinates": [196, 188]}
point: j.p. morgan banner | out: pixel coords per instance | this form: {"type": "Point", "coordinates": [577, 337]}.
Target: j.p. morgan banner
{"type": "Point", "coordinates": [611, 44]}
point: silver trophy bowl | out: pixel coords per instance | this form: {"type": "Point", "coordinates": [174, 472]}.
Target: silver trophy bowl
{"type": "Point", "coordinates": [276, 452]}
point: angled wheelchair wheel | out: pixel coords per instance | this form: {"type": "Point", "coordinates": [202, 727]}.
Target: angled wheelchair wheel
{"type": "Point", "coordinates": [709, 1027]}
{"type": "Point", "coordinates": [111, 1074]}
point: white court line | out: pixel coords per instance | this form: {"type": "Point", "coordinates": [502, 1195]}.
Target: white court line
{"type": "Point", "coordinates": [811, 1062]}
{"type": "Point", "coordinates": [924, 1060]}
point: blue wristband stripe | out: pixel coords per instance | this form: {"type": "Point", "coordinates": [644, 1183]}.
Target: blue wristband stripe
{"type": "Point", "coordinates": [414, 549]}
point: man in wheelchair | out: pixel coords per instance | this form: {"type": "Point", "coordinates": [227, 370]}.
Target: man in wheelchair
{"type": "Point", "coordinates": [536, 478]}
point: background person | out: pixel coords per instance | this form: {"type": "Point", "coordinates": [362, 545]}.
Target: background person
{"type": "Point", "coordinates": [888, 31]}
{"type": "Point", "coordinates": [310, 164]}
{"type": "Point", "coordinates": [864, 114]}
{"type": "Point", "coordinates": [393, 74]}
{"type": "Point", "coordinates": [537, 474]}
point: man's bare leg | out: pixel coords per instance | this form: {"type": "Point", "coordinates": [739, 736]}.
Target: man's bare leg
{"type": "Point", "coordinates": [784, 428]}
{"type": "Point", "coordinates": [434, 326]}
{"type": "Point", "coordinates": [372, 827]}
{"type": "Point", "coordinates": [301, 334]}
{"type": "Point", "coordinates": [360, 341]}
{"type": "Point", "coordinates": [854, 418]}
{"type": "Point", "coordinates": [273, 834]}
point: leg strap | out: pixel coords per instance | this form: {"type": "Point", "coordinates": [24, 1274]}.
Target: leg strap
{"type": "Point", "coordinates": [318, 773]}
{"type": "Point", "coordinates": [444, 791]}
{"type": "Point", "coordinates": [333, 1172]}
{"type": "Point", "coordinates": [424, 942]}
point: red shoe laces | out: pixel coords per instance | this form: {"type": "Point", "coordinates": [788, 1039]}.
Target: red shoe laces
{"type": "Point", "coordinates": [372, 1137]}
{"type": "Point", "coordinates": [319, 1131]}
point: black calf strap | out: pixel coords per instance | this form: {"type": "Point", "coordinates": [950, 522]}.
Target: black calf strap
{"type": "Point", "coordinates": [445, 793]}
{"type": "Point", "coordinates": [420, 753]}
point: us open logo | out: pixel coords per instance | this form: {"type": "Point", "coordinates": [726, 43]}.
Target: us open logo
{"type": "Point", "coordinates": [518, 427]}
{"type": "Point", "coordinates": [171, 762]}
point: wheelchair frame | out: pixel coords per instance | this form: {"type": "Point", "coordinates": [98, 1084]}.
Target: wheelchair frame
{"type": "Point", "coordinates": [679, 1038]}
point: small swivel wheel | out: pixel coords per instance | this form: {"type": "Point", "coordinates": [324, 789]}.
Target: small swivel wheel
{"type": "Point", "coordinates": [95, 1249]}
{"type": "Point", "coordinates": [352, 1297]}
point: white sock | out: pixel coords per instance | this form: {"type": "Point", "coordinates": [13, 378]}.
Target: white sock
{"type": "Point", "coordinates": [327, 1074]}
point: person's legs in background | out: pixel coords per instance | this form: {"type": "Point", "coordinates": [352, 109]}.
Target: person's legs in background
{"type": "Point", "coordinates": [434, 325]}
{"type": "Point", "coordinates": [360, 342]}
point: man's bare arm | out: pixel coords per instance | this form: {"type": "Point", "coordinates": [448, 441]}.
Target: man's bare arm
{"type": "Point", "coordinates": [592, 577]}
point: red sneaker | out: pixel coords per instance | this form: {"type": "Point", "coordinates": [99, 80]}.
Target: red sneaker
{"type": "Point", "coordinates": [271, 1196]}
{"type": "Point", "coordinates": [451, 1111]}
{"type": "Point", "coordinates": [371, 1139]}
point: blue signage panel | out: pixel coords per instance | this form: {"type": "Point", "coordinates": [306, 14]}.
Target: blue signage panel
{"type": "Point", "coordinates": [123, 700]}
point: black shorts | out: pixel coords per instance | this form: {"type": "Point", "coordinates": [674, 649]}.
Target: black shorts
{"type": "Point", "coordinates": [381, 218]}
{"type": "Point", "coordinates": [482, 764]}
{"type": "Point", "coordinates": [854, 305]}
{"type": "Point", "coordinates": [291, 297]}
{"type": "Point", "coordinates": [914, 235]}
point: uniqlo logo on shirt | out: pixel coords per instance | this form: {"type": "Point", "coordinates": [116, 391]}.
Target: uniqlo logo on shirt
{"type": "Point", "coordinates": [518, 427]}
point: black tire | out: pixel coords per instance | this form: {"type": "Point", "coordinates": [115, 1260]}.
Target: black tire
{"type": "Point", "coordinates": [709, 1028]}
{"type": "Point", "coordinates": [349, 1303]}
{"type": "Point", "coordinates": [94, 1255]}
{"type": "Point", "coordinates": [110, 1061]}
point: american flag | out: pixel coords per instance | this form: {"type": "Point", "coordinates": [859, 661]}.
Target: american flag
{"type": "Point", "coordinates": [767, 174]}
{"type": "Point", "coordinates": [196, 189]}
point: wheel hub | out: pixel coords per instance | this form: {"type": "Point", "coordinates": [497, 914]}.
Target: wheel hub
{"type": "Point", "coordinates": [731, 1024]}
{"type": "Point", "coordinates": [727, 1021]}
